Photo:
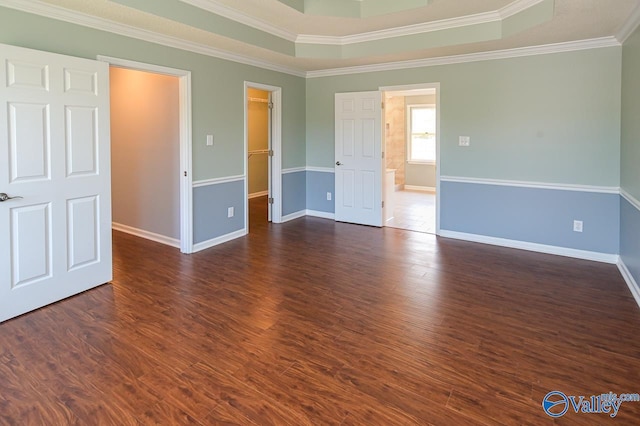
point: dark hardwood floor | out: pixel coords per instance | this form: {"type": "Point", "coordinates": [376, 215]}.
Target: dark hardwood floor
{"type": "Point", "coordinates": [317, 322]}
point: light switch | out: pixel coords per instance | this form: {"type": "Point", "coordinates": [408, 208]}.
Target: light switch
{"type": "Point", "coordinates": [209, 140]}
{"type": "Point", "coordinates": [464, 141]}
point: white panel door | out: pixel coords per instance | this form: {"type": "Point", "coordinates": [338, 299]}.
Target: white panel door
{"type": "Point", "coordinates": [358, 170]}
{"type": "Point", "coordinates": [54, 155]}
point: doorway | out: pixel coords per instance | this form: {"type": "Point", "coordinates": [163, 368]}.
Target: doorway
{"type": "Point", "coordinates": [262, 148]}
{"type": "Point", "coordinates": [410, 133]}
{"type": "Point", "coordinates": [258, 159]}
{"type": "Point", "coordinates": [182, 173]}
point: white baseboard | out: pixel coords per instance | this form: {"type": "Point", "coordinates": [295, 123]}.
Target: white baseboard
{"type": "Point", "coordinates": [420, 188]}
{"type": "Point", "coordinates": [258, 194]}
{"type": "Point", "coordinates": [631, 282]}
{"type": "Point", "coordinates": [162, 239]}
{"type": "Point", "coordinates": [303, 213]}
{"type": "Point", "coordinates": [540, 248]}
{"type": "Point", "coordinates": [219, 240]}
{"type": "Point", "coordinates": [295, 215]}
{"type": "Point", "coordinates": [324, 215]}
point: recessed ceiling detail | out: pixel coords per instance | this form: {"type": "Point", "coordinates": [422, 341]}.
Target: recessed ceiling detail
{"type": "Point", "coordinates": [273, 35]}
{"type": "Point", "coordinates": [353, 8]}
{"type": "Point", "coordinates": [496, 25]}
{"type": "Point", "coordinates": [207, 15]}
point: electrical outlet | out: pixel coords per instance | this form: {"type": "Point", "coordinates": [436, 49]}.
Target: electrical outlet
{"type": "Point", "coordinates": [577, 226]}
{"type": "Point", "coordinates": [464, 141]}
{"type": "Point", "coordinates": [230, 212]}
{"type": "Point", "coordinates": [328, 196]}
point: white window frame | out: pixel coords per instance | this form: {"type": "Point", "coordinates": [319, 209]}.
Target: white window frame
{"type": "Point", "coordinates": [408, 133]}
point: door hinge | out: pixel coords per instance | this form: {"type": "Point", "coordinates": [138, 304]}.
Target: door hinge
{"type": "Point", "coordinates": [382, 154]}
{"type": "Point", "coordinates": [383, 204]}
{"type": "Point", "coordinates": [382, 105]}
{"type": "Point", "coordinates": [270, 153]}
{"type": "Point", "coordinates": [270, 105]}
{"type": "Point", "coordinates": [270, 200]}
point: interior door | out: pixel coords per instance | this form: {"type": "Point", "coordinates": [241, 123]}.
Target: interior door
{"type": "Point", "coordinates": [358, 170]}
{"type": "Point", "coordinates": [54, 155]}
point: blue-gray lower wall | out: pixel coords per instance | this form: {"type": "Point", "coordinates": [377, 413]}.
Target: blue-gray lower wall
{"type": "Point", "coordinates": [294, 192]}
{"type": "Point", "coordinates": [318, 184]}
{"type": "Point", "coordinates": [630, 237]}
{"type": "Point", "coordinates": [534, 215]}
{"type": "Point", "coordinates": [210, 207]}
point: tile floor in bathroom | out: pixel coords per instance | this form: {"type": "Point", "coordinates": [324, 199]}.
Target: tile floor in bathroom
{"type": "Point", "coordinates": [414, 211]}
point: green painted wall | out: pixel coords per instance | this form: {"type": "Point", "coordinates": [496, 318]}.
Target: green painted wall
{"type": "Point", "coordinates": [548, 118]}
{"type": "Point", "coordinates": [218, 87]}
{"type": "Point", "coordinates": [630, 145]}
{"type": "Point", "coordinates": [195, 17]}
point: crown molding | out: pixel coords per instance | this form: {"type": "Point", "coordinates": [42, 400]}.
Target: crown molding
{"type": "Point", "coordinates": [630, 25]}
{"type": "Point", "coordinates": [570, 46]}
{"type": "Point", "coordinates": [38, 7]}
{"type": "Point", "coordinates": [444, 24]}
{"type": "Point", "coordinates": [476, 19]}
{"type": "Point", "coordinates": [516, 7]}
{"type": "Point", "coordinates": [242, 18]}
{"type": "Point", "coordinates": [352, 8]}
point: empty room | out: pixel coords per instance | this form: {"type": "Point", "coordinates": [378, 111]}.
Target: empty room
{"type": "Point", "coordinates": [287, 280]}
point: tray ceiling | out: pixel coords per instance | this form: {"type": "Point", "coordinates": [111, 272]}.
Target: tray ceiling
{"type": "Point", "coordinates": [304, 36]}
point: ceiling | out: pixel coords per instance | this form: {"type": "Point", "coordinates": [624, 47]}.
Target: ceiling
{"type": "Point", "coordinates": [312, 37]}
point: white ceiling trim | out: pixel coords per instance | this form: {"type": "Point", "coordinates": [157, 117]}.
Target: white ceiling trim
{"type": "Point", "coordinates": [570, 46]}
{"type": "Point", "coordinates": [50, 11]}
{"type": "Point", "coordinates": [630, 25]}
{"type": "Point", "coordinates": [235, 15]}
{"type": "Point", "coordinates": [43, 9]}
{"type": "Point", "coordinates": [517, 7]}
{"type": "Point", "coordinates": [443, 24]}
{"type": "Point", "coordinates": [476, 19]}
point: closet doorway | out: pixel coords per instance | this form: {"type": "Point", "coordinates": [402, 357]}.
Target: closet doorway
{"type": "Point", "coordinates": [262, 155]}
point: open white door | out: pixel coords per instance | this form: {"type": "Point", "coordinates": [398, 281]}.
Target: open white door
{"type": "Point", "coordinates": [54, 154]}
{"type": "Point", "coordinates": [358, 169]}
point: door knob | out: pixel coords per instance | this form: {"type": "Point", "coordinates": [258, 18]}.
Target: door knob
{"type": "Point", "coordinates": [338, 163]}
{"type": "Point", "coordinates": [5, 197]}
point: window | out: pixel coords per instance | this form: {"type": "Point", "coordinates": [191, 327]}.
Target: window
{"type": "Point", "coordinates": [421, 133]}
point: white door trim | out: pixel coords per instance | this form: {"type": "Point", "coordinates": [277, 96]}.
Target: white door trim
{"type": "Point", "coordinates": [438, 132]}
{"type": "Point", "coordinates": [276, 146]}
{"type": "Point", "coordinates": [186, 179]}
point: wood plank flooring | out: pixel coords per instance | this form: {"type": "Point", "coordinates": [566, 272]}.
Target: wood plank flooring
{"type": "Point", "coordinates": [314, 322]}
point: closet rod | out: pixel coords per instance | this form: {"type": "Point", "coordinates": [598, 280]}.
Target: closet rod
{"type": "Point", "coordinates": [258, 151]}
{"type": "Point", "coordinates": [264, 101]}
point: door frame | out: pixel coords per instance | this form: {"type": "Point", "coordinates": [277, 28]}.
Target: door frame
{"type": "Point", "coordinates": [186, 162]}
{"type": "Point", "coordinates": [275, 177]}
{"type": "Point", "coordinates": [435, 86]}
